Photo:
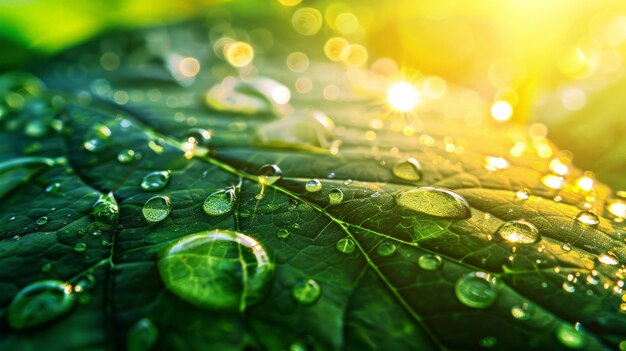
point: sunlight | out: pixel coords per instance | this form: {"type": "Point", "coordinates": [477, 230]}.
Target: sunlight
{"type": "Point", "coordinates": [403, 96]}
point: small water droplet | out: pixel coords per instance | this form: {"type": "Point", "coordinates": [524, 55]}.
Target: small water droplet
{"type": "Point", "coordinates": [430, 262]}
{"type": "Point", "coordinates": [408, 169]}
{"type": "Point", "coordinates": [335, 196]}
{"type": "Point", "coordinates": [42, 220]}
{"type": "Point", "coordinates": [434, 201]}
{"type": "Point", "coordinates": [85, 283]}
{"type": "Point", "coordinates": [553, 181]}
{"type": "Point", "coordinates": [566, 247]}
{"type": "Point", "coordinates": [616, 207]}
{"type": "Point", "coordinates": [521, 312]}
{"type": "Point", "coordinates": [98, 138]}
{"type": "Point", "coordinates": [386, 249]}
{"type": "Point", "coordinates": [313, 185]}
{"type": "Point", "coordinates": [477, 289]}
{"type": "Point", "coordinates": [593, 278]}
{"type": "Point", "coordinates": [493, 164]}
{"type": "Point", "coordinates": [569, 286]}
{"type": "Point", "coordinates": [608, 259]}
{"type": "Point", "coordinates": [39, 303]}
{"type": "Point", "coordinates": [80, 247]}
{"type": "Point", "coordinates": [345, 245]}
{"type": "Point", "coordinates": [53, 188]}
{"type": "Point", "coordinates": [157, 208]}
{"type": "Point", "coordinates": [306, 292]}
{"type": "Point", "coordinates": [217, 270]}
{"type": "Point", "coordinates": [570, 337]}
{"type": "Point", "coordinates": [219, 202]}
{"type": "Point", "coordinates": [155, 180]}
{"type": "Point", "coordinates": [587, 217]}
{"type": "Point", "coordinates": [198, 136]}
{"type": "Point", "coordinates": [519, 232]}
{"type": "Point", "coordinates": [269, 174]}
{"type": "Point", "coordinates": [283, 233]}
{"type": "Point", "coordinates": [142, 335]}
{"type": "Point", "coordinates": [126, 156]}
{"type": "Point", "coordinates": [523, 194]}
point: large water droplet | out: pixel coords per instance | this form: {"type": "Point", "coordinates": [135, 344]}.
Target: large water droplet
{"type": "Point", "coordinates": [219, 202]}
{"type": "Point", "coordinates": [39, 303]}
{"type": "Point", "coordinates": [269, 174]}
{"type": "Point", "coordinates": [434, 201]}
{"type": "Point", "coordinates": [97, 138]}
{"type": "Point", "coordinates": [477, 289]}
{"type": "Point", "coordinates": [408, 169]}
{"type": "Point", "coordinates": [345, 245]}
{"type": "Point", "coordinates": [608, 259]}
{"type": "Point", "coordinates": [587, 217]}
{"type": "Point", "coordinates": [217, 270]}
{"type": "Point", "coordinates": [616, 207]}
{"type": "Point", "coordinates": [306, 292]}
{"type": "Point", "coordinates": [335, 196]}
{"type": "Point", "coordinates": [105, 211]}
{"type": "Point", "coordinates": [519, 232]}
{"type": "Point", "coordinates": [157, 208]}
{"type": "Point", "coordinates": [313, 185]}
{"type": "Point", "coordinates": [155, 180]}
{"type": "Point", "coordinates": [142, 335]}
{"type": "Point", "coordinates": [570, 337]}
{"type": "Point", "coordinates": [430, 262]}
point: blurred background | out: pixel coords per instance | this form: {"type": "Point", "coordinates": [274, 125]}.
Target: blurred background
{"type": "Point", "coordinates": [554, 65]}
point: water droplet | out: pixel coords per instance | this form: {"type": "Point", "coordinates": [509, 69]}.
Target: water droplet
{"type": "Point", "coordinates": [269, 174]}
{"type": "Point", "coordinates": [53, 188]}
{"type": "Point", "coordinates": [553, 181]}
{"type": "Point", "coordinates": [80, 247]}
{"type": "Point", "coordinates": [105, 211]}
{"type": "Point", "coordinates": [313, 185]}
{"type": "Point", "coordinates": [347, 182]}
{"type": "Point", "coordinates": [523, 194]}
{"type": "Point", "coordinates": [408, 169]}
{"type": "Point", "coordinates": [519, 232]}
{"type": "Point", "coordinates": [220, 202]}
{"type": "Point", "coordinates": [198, 136]}
{"type": "Point", "coordinates": [42, 220]}
{"type": "Point", "coordinates": [335, 196]}
{"type": "Point", "coordinates": [430, 262]}
{"type": "Point", "coordinates": [155, 180]}
{"type": "Point", "coordinates": [587, 217]}
{"type": "Point", "coordinates": [126, 156]}
{"type": "Point", "coordinates": [386, 249]}
{"type": "Point", "coordinates": [283, 233]}
{"type": "Point", "coordinates": [217, 270]}
{"type": "Point", "coordinates": [345, 245]}
{"type": "Point", "coordinates": [477, 289]}
{"type": "Point", "coordinates": [39, 303]}
{"type": "Point", "coordinates": [608, 259]}
{"type": "Point", "coordinates": [85, 283]}
{"type": "Point", "coordinates": [157, 208]}
{"type": "Point", "coordinates": [566, 247]}
{"type": "Point", "coordinates": [521, 312]}
{"type": "Point", "coordinates": [98, 138]}
{"type": "Point", "coordinates": [569, 287]}
{"type": "Point", "coordinates": [593, 278]}
{"type": "Point", "coordinates": [616, 207]}
{"type": "Point", "coordinates": [434, 201]}
{"type": "Point", "coordinates": [570, 337]}
{"type": "Point", "coordinates": [142, 335]}
{"type": "Point", "coordinates": [306, 292]}
{"type": "Point", "coordinates": [488, 341]}
{"type": "Point", "coordinates": [493, 164]}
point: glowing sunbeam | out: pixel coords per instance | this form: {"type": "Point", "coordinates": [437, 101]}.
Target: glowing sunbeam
{"type": "Point", "coordinates": [403, 96]}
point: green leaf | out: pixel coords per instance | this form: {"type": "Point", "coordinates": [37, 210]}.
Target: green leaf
{"type": "Point", "coordinates": [276, 261]}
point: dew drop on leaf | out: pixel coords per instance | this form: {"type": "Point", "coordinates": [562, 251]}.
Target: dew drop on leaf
{"type": "Point", "coordinates": [408, 169]}
{"type": "Point", "coordinates": [335, 196]}
{"type": "Point", "coordinates": [269, 174]}
{"type": "Point", "coordinates": [126, 156]}
{"type": "Point", "coordinates": [42, 220]}
{"type": "Point", "coordinates": [219, 202]}
{"type": "Point", "coordinates": [155, 180]}
{"type": "Point", "coordinates": [39, 303]}
{"type": "Point", "coordinates": [313, 185]}
{"type": "Point", "coordinates": [521, 312]}
{"type": "Point", "coordinates": [80, 247]}
{"type": "Point", "coordinates": [142, 335]}
{"type": "Point", "coordinates": [157, 208]}
{"type": "Point", "coordinates": [569, 287]}
{"type": "Point", "coordinates": [283, 233]}
{"type": "Point", "coordinates": [217, 270]}
{"type": "Point", "coordinates": [523, 194]}
{"type": "Point", "coordinates": [519, 232]}
{"type": "Point", "coordinates": [345, 245]}
{"type": "Point", "coordinates": [97, 138]}
{"type": "Point", "coordinates": [198, 136]}
{"type": "Point", "coordinates": [570, 337]}
{"type": "Point", "coordinates": [608, 259]}
{"type": "Point", "coordinates": [306, 292]}
{"type": "Point", "coordinates": [430, 262]}
{"type": "Point", "coordinates": [105, 211]}
{"type": "Point", "coordinates": [53, 188]}
{"type": "Point", "coordinates": [434, 201]}
{"type": "Point", "coordinates": [587, 217]}
{"type": "Point", "coordinates": [477, 289]}
{"type": "Point", "coordinates": [566, 247]}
